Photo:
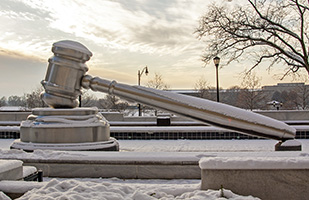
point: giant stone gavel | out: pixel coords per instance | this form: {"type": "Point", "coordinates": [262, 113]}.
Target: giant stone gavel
{"type": "Point", "coordinates": [66, 75]}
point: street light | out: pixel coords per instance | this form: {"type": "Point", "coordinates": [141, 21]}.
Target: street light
{"type": "Point", "coordinates": [139, 74]}
{"type": "Point", "coordinates": [217, 61]}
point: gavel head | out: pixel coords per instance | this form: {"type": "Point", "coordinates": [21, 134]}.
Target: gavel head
{"type": "Point", "coordinates": [64, 74]}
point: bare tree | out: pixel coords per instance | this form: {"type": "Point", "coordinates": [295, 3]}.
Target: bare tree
{"type": "Point", "coordinates": [251, 95]}
{"type": "Point", "coordinates": [296, 98]}
{"type": "Point", "coordinates": [16, 101]}
{"type": "Point", "coordinates": [157, 82]}
{"type": "Point", "coordinates": [290, 100]}
{"type": "Point", "coordinates": [303, 95]}
{"type": "Point", "coordinates": [88, 100]}
{"type": "Point", "coordinates": [202, 87]}
{"type": "Point", "coordinates": [231, 96]}
{"type": "Point", "coordinates": [34, 100]}
{"type": "Point", "coordinates": [113, 102]}
{"type": "Point", "coordinates": [3, 101]}
{"type": "Point", "coordinates": [303, 92]}
{"type": "Point", "coordinates": [271, 30]}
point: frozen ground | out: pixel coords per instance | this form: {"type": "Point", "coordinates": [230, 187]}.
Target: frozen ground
{"type": "Point", "coordinates": [152, 189]}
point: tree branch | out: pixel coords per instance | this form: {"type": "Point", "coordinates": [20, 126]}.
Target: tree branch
{"type": "Point", "coordinates": [274, 23]}
{"type": "Point", "coordinates": [234, 33]}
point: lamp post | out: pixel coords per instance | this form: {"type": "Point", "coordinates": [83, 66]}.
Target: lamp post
{"type": "Point", "coordinates": [216, 62]}
{"type": "Point", "coordinates": [139, 74]}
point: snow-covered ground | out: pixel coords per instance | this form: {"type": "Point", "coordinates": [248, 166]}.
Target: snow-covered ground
{"type": "Point", "coordinates": [115, 189]}
{"type": "Point", "coordinates": [192, 145]}
{"type": "Point", "coordinates": [197, 145]}
{"type": "Point", "coordinates": [152, 189]}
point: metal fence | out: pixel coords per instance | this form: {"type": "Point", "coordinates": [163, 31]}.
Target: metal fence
{"type": "Point", "coordinates": [14, 134]}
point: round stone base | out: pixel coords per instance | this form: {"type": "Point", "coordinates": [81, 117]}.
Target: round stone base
{"type": "Point", "coordinates": [110, 145]}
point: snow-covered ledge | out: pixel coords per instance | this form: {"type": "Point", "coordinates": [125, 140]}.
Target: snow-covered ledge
{"type": "Point", "coordinates": [263, 177]}
{"type": "Point", "coordinates": [11, 170]}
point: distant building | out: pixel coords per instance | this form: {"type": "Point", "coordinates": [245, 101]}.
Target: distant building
{"type": "Point", "coordinates": [280, 87]}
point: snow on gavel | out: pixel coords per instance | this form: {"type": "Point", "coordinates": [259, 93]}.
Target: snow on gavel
{"type": "Point", "coordinates": [66, 75]}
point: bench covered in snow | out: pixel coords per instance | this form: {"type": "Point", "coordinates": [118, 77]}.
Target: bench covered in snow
{"type": "Point", "coordinates": [263, 177]}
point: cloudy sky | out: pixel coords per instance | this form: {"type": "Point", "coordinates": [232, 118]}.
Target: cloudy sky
{"type": "Point", "coordinates": [124, 36]}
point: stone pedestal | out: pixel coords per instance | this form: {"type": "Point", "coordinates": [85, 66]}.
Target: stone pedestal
{"type": "Point", "coordinates": [289, 145]}
{"type": "Point", "coordinates": [65, 129]}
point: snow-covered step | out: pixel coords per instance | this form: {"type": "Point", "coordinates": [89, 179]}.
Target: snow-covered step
{"type": "Point", "coordinates": [15, 189]}
{"type": "Point", "coordinates": [14, 170]}
{"type": "Point", "coordinates": [11, 170]}
{"type": "Point", "coordinates": [269, 178]}
{"type": "Point", "coordinates": [12, 174]}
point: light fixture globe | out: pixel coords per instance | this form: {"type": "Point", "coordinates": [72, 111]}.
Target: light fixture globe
{"type": "Point", "coordinates": [216, 60]}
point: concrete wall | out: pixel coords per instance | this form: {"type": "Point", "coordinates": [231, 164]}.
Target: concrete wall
{"type": "Point", "coordinates": [119, 169]}
{"type": "Point", "coordinates": [286, 115]}
{"type": "Point", "coordinates": [266, 184]}
{"type": "Point", "coordinates": [14, 116]}
{"type": "Point", "coordinates": [267, 177]}
{"type": "Point", "coordinates": [113, 116]}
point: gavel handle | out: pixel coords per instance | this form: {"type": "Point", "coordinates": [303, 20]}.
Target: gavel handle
{"type": "Point", "coordinates": [210, 112]}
